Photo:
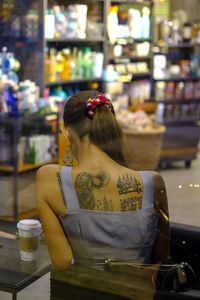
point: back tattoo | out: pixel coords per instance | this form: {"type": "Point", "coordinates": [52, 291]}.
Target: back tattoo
{"type": "Point", "coordinates": [85, 185]}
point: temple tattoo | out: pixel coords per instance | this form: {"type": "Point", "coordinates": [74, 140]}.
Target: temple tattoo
{"type": "Point", "coordinates": [130, 204]}
{"type": "Point", "coordinates": [128, 184]}
{"type": "Point", "coordinates": [85, 183]}
{"type": "Point", "coordinates": [105, 204]}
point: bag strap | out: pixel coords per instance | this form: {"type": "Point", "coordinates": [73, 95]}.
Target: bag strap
{"type": "Point", "coordinates": [161, 246]}
{"type": "Point", "coordinates": [160, 196]}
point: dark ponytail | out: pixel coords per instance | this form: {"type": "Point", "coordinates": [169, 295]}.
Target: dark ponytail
{"type": "Point", "coordinates": [106, 134]}
{"type": "Point", "coordinates": [103, 129]}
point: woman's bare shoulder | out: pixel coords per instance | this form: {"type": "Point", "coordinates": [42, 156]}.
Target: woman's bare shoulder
{"type": "Point", "coordinates": [47, 171]}
{"type": "Point", "coordinates": [48, 188]}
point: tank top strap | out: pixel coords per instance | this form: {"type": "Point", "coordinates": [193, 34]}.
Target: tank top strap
{"type": "Point", "coordinates": [147, 179]}
{"type": "Point", "coordinates": [68, 188]}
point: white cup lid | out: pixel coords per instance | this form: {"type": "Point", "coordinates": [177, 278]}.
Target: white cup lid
{"type": "Point", "coordinates": [28, 224]}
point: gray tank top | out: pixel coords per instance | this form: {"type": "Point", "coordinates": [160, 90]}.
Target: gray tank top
{"type": "Point", "coordinates": [97, 235]}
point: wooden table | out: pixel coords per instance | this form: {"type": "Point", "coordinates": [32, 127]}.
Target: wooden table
{"type": "Point", "coordinates": [15, 274]}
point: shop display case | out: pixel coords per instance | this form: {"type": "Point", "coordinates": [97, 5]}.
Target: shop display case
{"type": "Point", "coordinates": [177, 92]}
{"type": "Point", "coordinates": [21, 33]}
{"type": "Point", "coordinates": [63, 52]}
{"type": "Point", "coordinates": [129, 59]}
{"type": "Point", "coordinates": [26, 30]}
{"type": "Point", "coordinates": [27, 143]}
{"type": "Point", "coordinates": [54, 45]}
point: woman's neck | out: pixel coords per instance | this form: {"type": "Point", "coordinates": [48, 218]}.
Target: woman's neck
{"type": "Point", "coordinates": [89, 154]}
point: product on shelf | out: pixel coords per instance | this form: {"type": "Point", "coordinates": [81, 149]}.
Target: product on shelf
{"type": "Point", "coordinates": [139, 23]}
{"type": "Point", "coordinates": [126, 22]}
{"type": "Point", "coordinates": [28, 96]}
{"type": "Point", "coordinates": [18, 22]}
{"type": "Point", "coordinates": [128, 49]}
{"type": "Point", "coordinates": [189, 90]}
{"type": "Point", "coordinates": [65, 73]}
{"type": "Point", "coordinates": [183, 68]}
{"type": "Point", "coordinates": [129, 94]}
{"type": "Point", "coordinates": [196, 32]}
{"type": "Point", "coordinates": [139, 91]}
{"type": "Point", "coordinates": [29, 25]}
{"type": "Point", "coordinates": [49, 24]}
{"type": "Point", "coordinates": [67, 22]}
{"type": "Point", "coordinates": [180, 90]}
{"type": "Point", "coordinates": [9, 65]}
{"type": "Point", "coordinates": [9, 98]}
{"type": "Point", "coordinates": [178, 111]}
{"type": "Point", "coordinates": [169, 91]}
{"type": "Point", "coordinates": [23, 99]}
{"type": "Point", "coordinates": [159, 66]}
{"type": "Point", "coordinates": [138, 121]}
{"type": "Point", "coordinates": [95, 25]}
{"type": "Point", "coordinates": [187, 32]}
{"type": "Point", "coordinates": [112, 23]}
{"type": "Point", "coordinates": [37, 149]}
{"type": "Point", "coordinates": [197, 90]}
{"type": "Point", "coordinates": [195, 65]}
{"type": "Point", "coordinates": [128, 29]}
{"type": "Point", "coordinates": [77, 21]}
{"type": "Point", "coordinates": [177, 30]}
{"type": "Point", "coordinates": [72, 63]}
{"type": "Point", "coordinates": [124, 72]}
{"type": "Point", "coordinates": [17, 99]}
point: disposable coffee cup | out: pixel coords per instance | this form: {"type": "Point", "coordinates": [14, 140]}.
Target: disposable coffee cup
{"type": "Point", "coordinates": [28, 234]}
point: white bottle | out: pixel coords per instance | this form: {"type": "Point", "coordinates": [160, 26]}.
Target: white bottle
{"type": "Point", "coordinates": [49, 25]}
{"type": "Point", "coordinates": [112, 24]}
{"type": "Point", "coordinates": [98, 64]}
{"type": "Point", "coordinates": [160, 113]}
{"type": "Point", "coordinates": [135, 23]}
{"type": "Point", "coordinates": [145, 23]}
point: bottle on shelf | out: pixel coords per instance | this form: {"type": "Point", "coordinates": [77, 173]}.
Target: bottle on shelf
{"type": "Point", "coordinates": [135, 23]}
{"type": "Point", "coordinates": [65, 73]}
{"type": "Point", "coordinates": [112, 23]}
{"type": "Point", "coordinates": [73, 62]}
{"type": "Point", "coordinates": [59, 65]}
{"type": "Point", "coordinates": [9, 66]}
{"type": "Point", "coordinates": [187, 32]}
{"type": "Point", "coordinates": [145, 23]}
{"type": "Point", "coordinates": [50, 65]}
{"type": "Point", "coordinates": [179, 90]}
{"type": "Point", "coordinates": [79, 64]}
{"type": "Point", "coordinates": [29, 25]}
{"type": "Point", "coordinates": [97, 64]}
{"type": "Point", "coordinates": [189, 90]}
{"type": "Point", "coordinates": [87, 63]}
{"type": "Point", "coordinates": [49, 24]}
{"type": "Point", "coordinates": [175, 32]}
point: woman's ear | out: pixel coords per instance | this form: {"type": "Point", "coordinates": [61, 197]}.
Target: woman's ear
{"type": "Point", "coordinates": [66, 133]}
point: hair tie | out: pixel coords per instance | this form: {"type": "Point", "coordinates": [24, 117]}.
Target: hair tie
{"type": "Point", "coordinates": [92, 103]}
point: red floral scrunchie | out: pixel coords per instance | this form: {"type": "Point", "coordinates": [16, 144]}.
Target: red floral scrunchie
{"type": "Point", "coordinates": [92, 103]}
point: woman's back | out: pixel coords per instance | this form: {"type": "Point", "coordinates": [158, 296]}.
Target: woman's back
{"type": "Point", "coordinates": [109, 210]}
{"type": "Point", "coordinates": [100, 227]}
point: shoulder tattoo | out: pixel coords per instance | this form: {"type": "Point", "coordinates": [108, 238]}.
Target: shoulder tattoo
{"type": "Point", "coordinates": [128, 184]}
{"type": "Point", "coordinates": [85, 183]}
